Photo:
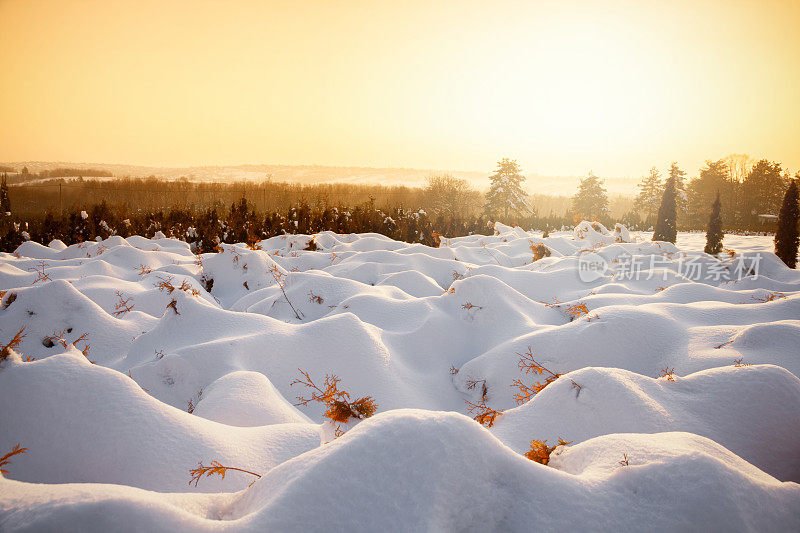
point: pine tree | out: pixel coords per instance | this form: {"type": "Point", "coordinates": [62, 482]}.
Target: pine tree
{"type": "Point", "coordinates": [505, 192]}
{"type": "Point", "coordinates": [787, 238]}
{"type": "Point", "coordinates": [666, 228]}
{"type": "Point", "coordinates": [5, 203]}
{"type": "Point", "coordinates": [649, 197]}
{"type": "Point", "coordinates": [714, 233]}
{"type": "Point", "coordinates": [681, 199]}
{"type": "Point", "coordinates": [591, 200]}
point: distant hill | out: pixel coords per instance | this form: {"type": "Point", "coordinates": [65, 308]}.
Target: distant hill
{"type": "Point", "coordinates": [310, 174]}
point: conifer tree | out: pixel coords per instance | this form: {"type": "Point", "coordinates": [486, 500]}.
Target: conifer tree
{"type": "Point", "coordinates": [591, 200]}
{"type": "Point", "coordinates": [681, 199]}
{"type": "Point", "coordinates": [505, 192]}
{"type": "Point", "coordinates": [787, 238]}
{"type": "Point", "coordinates": [5, 203]}
{"type": "Point", "coordinates": [714, 232]}
{"type": "Point", "coordinates": [666, 227]}
{"type": "Point", "coordinates": [649, 197]}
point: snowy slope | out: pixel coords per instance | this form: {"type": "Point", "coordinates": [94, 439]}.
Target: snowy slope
{"type": "Point", "coordinates": [421, 330]}
{"type": "Point", "coordinates": [418, 470]}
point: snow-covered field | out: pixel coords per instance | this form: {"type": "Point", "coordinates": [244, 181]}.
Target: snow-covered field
{"type": "Point", "coordinates": [714, 446]}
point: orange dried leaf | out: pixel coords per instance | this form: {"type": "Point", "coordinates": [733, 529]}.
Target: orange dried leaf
{"type": "Point", "coordinates": [5, 460]}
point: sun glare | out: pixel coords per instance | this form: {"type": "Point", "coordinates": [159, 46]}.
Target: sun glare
{"type": "Point", "coordinates": [564, 86]}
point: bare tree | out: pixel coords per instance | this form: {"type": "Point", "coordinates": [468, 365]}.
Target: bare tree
{"type": "Point", "coordinates": [447, 195]}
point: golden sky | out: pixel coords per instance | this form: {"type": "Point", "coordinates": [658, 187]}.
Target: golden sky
{"type": "Point", "coordinates": [564, 87]}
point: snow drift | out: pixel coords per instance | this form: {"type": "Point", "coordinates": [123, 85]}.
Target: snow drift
{"type": "Point", "coordinates": [195, 358]}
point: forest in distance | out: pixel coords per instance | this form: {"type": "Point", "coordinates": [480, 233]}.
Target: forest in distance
{"type": "Point", "coordinates": [37, 204]}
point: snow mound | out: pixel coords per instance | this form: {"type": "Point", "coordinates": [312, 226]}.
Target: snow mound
{"type": "Point", "coordinates": [246, 399]}
{"type": "Point", "coordinates": [455, 476]}
{"type": "Point", "coordinates": [96, 425]}
{"type": "Point", "coordinates": [197, 358]}
{"type": "Point", "coordinates": [56, 310]}
{"type": "Point", "coordinates": [754, 411]}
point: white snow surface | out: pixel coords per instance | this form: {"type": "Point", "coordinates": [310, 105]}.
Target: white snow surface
{"type": "Point", "coordinates": [712, 447]}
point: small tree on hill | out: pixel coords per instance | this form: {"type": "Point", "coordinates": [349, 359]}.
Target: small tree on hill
{"type": "Point", "coordinates": [666, 228]}
{"type": "Point", "coordinates": [591, 200]}
{"type": "Point", "coordinates": [505, 192]}
{"type": "Point", "coordinates": [714, 233]}
{"type": "Point", "coordinates": [787, 237]}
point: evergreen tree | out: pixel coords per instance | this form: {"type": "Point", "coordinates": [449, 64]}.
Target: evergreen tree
{"type": "Point", "coordinates": [787, 238]}
{"type": "Point", "coordinates": [681, 199]}
{"type": "Point", "coordinates": [714, 177]}
{"type": "Point", "coordinates": [714, 232]}
{"type": "Point", "coordinates": [505, 191]}
{"type": "Point", "coordinates": [762, 190]}
{"type": "Point", "coordinates": [5, 203]}
{"type": "Point", "coordinates": [666, 227]}
{"type": "Point", "coordinates": [591, 200]}
{"type": "Point", "coordinates": [649, 197]}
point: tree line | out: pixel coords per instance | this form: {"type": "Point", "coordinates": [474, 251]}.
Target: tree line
{"type": "Point", "coordinates": [787, 236]}
{"type": "Point", "coordinates": [205, 229]}
{"type": "Point", "coordinates": [443, 195]}
{"type": "Point", "coordinates": [447, 206]}
{"type": "Point", "coordinates": [746, 190]}
{"type": "Point", "coordinates": [24, 175]}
